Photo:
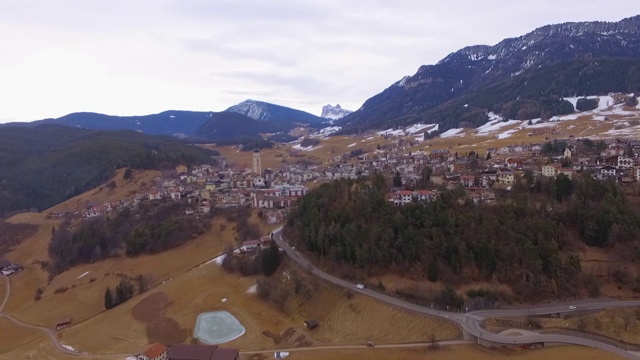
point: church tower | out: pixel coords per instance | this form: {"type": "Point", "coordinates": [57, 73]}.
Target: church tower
{"type": "Point", "coordinates": [257, 162]}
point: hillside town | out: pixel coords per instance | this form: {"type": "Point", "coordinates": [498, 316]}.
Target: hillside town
{"type": "Point", "coordinates": [415, 175]}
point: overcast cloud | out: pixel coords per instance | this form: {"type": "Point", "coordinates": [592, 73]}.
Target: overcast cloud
{"type": "Point", "coordinates": [145, 56]}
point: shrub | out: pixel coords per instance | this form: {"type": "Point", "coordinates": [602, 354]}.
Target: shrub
{"type": "Point", "coordinates": [60, 290]}
{"type": "Point", "coordinates": [38, 295]}
{"type": "Point", "coordinates": [584, 104]}
{"type": "Point", "coordinates": [306, 142]}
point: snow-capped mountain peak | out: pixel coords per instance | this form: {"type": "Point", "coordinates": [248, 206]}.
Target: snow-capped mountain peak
{"type": "Point", "coordinates": [256, 110]}
{"type": "Point", "coordinates": [334, 112]}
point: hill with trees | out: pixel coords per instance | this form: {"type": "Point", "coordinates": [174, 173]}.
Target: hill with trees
{"type": "Point", "coordinates": [528, 240]}
{"type": "Point", "coordinates": [47, 164]}
{"type": "Point", "coordinates": [152, 228]}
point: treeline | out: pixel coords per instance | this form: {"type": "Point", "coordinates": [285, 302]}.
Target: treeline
{"type": "Point", "coordinates": [124, 291]}
{"type": "Point", "coordinates": [522, 241]}
{"type": "Point", "coordinates": [153, 228]}
{"type": "Point", "coordinates": [45, 165]}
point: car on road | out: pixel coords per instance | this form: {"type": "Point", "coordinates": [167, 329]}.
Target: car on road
{"type": "Point", "coordinates": [571, 307]}
{"type": "Point", "coordinates": [360, 286]}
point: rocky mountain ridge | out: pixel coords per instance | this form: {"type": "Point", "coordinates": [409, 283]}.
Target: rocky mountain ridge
{"type": "Point", "coordinates": [479, 67]}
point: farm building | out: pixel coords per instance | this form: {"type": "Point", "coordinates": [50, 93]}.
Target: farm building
{"type": "Point", "coordinates": [201, 352]}
{"type": "Point", "coordinates": [63, 323]}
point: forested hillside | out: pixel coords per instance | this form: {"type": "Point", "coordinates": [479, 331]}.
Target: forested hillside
{"type": "Point", "coordinates": [47, 164]}
{"type": "Point", "coordinates": [527, 240]}
{"type": "Point", "coordinates": [152, 228]}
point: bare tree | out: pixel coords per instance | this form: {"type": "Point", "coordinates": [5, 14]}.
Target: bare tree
{"type": "Point", "coordinates": [433, 343]}
{"type": "Point", "coordinates": [628, 319]}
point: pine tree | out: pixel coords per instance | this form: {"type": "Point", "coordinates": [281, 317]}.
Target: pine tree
{"type": "Point", "coordinates": [271, 259]}
{"type": "Point", "coordinates": [108, 299]}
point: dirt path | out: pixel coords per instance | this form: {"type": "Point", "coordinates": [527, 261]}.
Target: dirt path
{"type": "Point", "coordinates": [52, 336]}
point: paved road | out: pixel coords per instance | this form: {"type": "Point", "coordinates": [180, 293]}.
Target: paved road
{"type": "Point", "coordinates": [353, 347]}
{"type": "Point", "coordinates": [471, 322]}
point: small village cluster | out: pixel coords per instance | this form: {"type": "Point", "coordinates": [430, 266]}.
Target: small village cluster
{"type": "Point", "coordinates": [619, 161]}
{"type": "Point", "coordinates": [204, 186]}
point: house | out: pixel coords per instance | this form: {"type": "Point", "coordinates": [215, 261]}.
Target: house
{"type": "Point", "coordinates": [567, 153]}
{"type": "Point", "coordinates": [489, 177]}
{"type": "Point", "coordinates": [200, 352]}
{"type": "Point", "coordinates": [506, 176]}
{"type": "Point", "coordinates": [468, 180]}
{"type": "Point", "coordinates": [154, 194]}
{"type": "Point", "coordinates": [549, 170]}
{"type": "Point", "coordinates": [607, 171]}
{"type": "Point", "coordinates": [175, 194]}
{"type": "Point", "coordinates": [459, 165]}
{"type": "Point", "coordinates": [63, 323]}
{"type": "Point", "coordinates": [181, 169]}
{"type": "Point", "coordinates": [636, 173]}
{"type": "Point", "coordinates": [625, 163]}
{"type": "Point", "coordinates": [156, 351]}
{"type": "Point", "coordinates": [250, 245]}
{"type": "Point", "coordinates": [404, 197]}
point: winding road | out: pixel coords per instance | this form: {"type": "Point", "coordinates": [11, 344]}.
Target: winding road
{"type": "Point", "coordinates": [471, 322]}
{"type": "Point", "coordinates": [52, 336]}
{"type": "Point", "coordinates": [49, 332]}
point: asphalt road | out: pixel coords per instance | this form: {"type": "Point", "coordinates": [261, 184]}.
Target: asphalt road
{"type": "Point", "coordinates": [471, 322]}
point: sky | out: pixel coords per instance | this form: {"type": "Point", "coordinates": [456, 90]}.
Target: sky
{"type": "Point", "coordinates": [136, 57]}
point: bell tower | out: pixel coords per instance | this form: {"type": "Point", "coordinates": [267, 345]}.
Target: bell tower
{"type": "Point", "coordinates": [257, 162]}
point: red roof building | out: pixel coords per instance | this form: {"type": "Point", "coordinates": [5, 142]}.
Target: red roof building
{"type": "Point", "coordinates": [156, 351]}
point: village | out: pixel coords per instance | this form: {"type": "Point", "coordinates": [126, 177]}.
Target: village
{"type": "Point", "coordinates": [274, 191]}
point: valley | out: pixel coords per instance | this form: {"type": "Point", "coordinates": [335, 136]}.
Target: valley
{"type": "Point", "coordinates": [487, 206]}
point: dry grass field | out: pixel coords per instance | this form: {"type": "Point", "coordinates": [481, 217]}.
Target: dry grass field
{"type": "Point", "coordinates": [363, 319]}
{"type": "Point", "coordinates": [177, 303]}
{"type": "Point", "coordinates": [42, 349]}
{"type": "Point", "coordinates": [449, 353]}
{"type": "Point", "coordinates": [86, 283]}
{"type": "Point", "coordinates": [620, 324]}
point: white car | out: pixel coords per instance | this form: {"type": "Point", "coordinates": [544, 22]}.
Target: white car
{"type": "Point", "coordinates": [571, 307]}
{"type": "Point", "coordinates": [360, 286]}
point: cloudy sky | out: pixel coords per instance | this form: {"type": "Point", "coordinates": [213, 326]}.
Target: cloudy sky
{"type": "Point", "coordinates": [132, 57]}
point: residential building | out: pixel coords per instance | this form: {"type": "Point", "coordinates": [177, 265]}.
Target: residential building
{"type": "Point", "coordinates": [156, 351]}
{"type": "Point", "coordinates": [549, 171]}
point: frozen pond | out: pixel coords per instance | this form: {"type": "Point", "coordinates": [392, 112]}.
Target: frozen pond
{"type": "Point", "coordinates": [217, 327]}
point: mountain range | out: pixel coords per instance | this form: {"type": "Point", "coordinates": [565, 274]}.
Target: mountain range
{"type": "Point", "coordinates": [250, 118]}
{"type": "Point", "coordinates": [524, 75]}
{"type": "Point", "coordinates": [519, 78]}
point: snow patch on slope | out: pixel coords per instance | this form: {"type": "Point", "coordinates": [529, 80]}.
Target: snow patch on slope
{"type": "Point", "coordinates": [495, 123]}
{"type": "Point", "coordinates": [323, 133]}
{"type": "Point", "coordinates": [451, 133]}
{"type": "Point", "coordinates": [604, 102]}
